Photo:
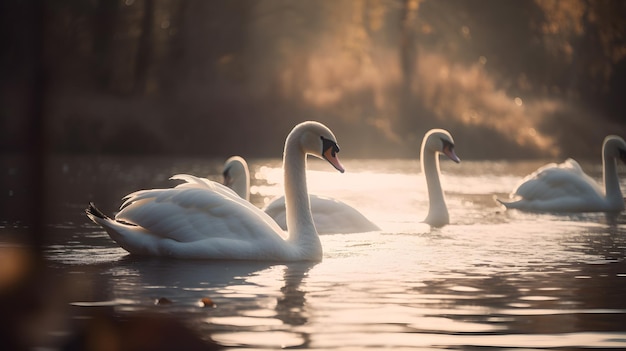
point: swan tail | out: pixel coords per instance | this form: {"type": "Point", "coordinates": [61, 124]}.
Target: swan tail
{"type": "Point", "coordinates": [93, 212]}
{"type": "Point", "coordinates": [130, 237]}
{"type": "Point", "coordinates": [98, 217]}
{"type": "Point", "coordinates": [507, 204]}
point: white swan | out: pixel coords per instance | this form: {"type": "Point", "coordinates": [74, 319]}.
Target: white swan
{"type": "Point", "coordinates": [566, 188]}
{"type": "Point", "coordinates": [329, 215]}
{"type": "Point", "coordinates": [201, 219]}
{"type": "Point", "coordinates": [436, 141]}
{"type": "Point", "coordinates": [236, 176]}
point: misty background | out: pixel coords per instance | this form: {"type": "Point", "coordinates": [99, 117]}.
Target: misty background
{"type": "Point", "coordinates": [509, 79]}
{"type": "Point", "coordinates": [209, 78]}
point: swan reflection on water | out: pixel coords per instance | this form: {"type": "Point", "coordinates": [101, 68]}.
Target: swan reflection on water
{"type": "Point", "coordinates": [248, 296]}
{"type": "Point", "coordinates": [490, 278]}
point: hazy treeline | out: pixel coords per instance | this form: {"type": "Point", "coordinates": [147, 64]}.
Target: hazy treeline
{"type": "Point", "coordinates": [507, 78]}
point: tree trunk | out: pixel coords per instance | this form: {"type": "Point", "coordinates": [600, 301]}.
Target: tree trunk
{"type": "Point", "coordinates": [145, 50]}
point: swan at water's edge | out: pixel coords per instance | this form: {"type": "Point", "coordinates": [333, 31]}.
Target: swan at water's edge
{"type": "Point", "coordinates": [329, 215]}
{"type": "Point", "coordinates": [566, 188]}
{"type": "Point", "coordinates": [436, 141]}
{"type": "Point", "coordinates": [201, 219]}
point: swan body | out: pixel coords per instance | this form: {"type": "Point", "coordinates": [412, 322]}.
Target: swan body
{"type": "Point", "coordinates": [435, 142]}
{"type": "Point", "coordinates": [201, 219]}
{"type": "Point", "coordinates": [329, 215]}
{"type": "Point", "coordinates": [566, 188]}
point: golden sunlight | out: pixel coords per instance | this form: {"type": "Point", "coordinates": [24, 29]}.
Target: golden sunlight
{"type": "Point", "coordinates": [471, 96]}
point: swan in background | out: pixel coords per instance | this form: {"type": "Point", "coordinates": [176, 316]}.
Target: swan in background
{"type": "Point", "coordinates": [237, 176]}
{"type": "Point", "coordinates": [201, 219]}
{"type": "Point", "coordinates": [329, 215]}
{"type": "Point", "coordinates": [436, 141]}
{"type": "Point", "coordinates": [566, 188]}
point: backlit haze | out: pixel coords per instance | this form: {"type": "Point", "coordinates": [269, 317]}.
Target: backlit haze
{"type": "Point", "coordinates": [521, 79]}
{"type": "Point", "coordinates": [101, 98]}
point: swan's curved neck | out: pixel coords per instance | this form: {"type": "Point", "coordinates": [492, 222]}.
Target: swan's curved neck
{"type": "Point", "coordinates": [437, 209]}
{"type": "Point", "coordinates": [300, 224]}
{"type": "Point", "coordinates": [614, 198]}
{"type": "Point", "coordinates": [241, 185]}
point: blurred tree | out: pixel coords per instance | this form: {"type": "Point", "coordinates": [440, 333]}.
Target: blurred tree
{"type": "Point", "coordinates": [394, 68]}
{"type": "Point", "coordinates": [104, 22]}
{"type": "Point", "coordinates": [145, 51]}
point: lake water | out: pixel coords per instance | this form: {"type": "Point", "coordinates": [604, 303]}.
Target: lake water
{"type": "Point", "coordinates": [492, 278]}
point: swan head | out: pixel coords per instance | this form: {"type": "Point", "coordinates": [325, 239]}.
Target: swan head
{"type": "Point", "coordinates": [440, 141]}
{"type": "Point", "coordinates": [614, 147]}
{"type": "Point", "coordinates": [236, 176]}
{"type": "Point", "coordinates": [318, 140]}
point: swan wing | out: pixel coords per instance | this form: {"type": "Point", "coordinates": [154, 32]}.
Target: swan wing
{"type": "Point", "coordinates": [329, 215]}
{"type": "Point", "coordinates": [334, 216]}
{"type": "Point", "coordinates": [565, 180]}
{"type": "Point", "coordinates": [197, 210]}
{"type": "Point", "coordinates": [190, 181]}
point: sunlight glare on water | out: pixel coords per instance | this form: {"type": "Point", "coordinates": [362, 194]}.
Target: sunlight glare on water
{"type": "Point", "coordinates": [358, 187]}
{"type": "Point", "coordinates": [491, 278]}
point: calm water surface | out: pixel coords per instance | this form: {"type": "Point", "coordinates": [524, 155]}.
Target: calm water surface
{"type": "Point", "coordinates": [492, 278]}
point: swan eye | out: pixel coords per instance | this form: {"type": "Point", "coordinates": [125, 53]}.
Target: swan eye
{"type": "Point", "coordinates": [447, 145]}
{"type": "Point", "coordinates": [329, 144]}
{"type": "Point", "coordinates": [225, 173]}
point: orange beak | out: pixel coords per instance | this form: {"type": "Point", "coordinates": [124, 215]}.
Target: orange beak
{"type": "Point", "coordinates": [331, 156]}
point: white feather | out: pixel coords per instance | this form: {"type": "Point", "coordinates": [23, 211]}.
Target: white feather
{"type": "Point", "coordinates": [566, 188]}
{"type": "Point", "coordinates": [329, 215]}
{"type": "Point", "coordinates": [201, 219]}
